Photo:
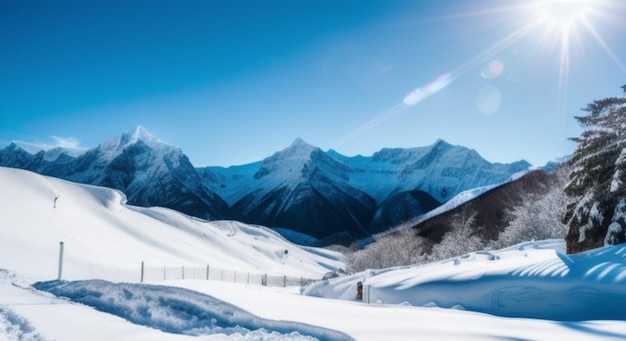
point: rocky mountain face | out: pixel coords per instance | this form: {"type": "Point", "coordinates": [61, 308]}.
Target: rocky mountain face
{"type": "Point", "coordinates": [316, 192]}
{"type": "Point", "coordinates": [301, 188]}
{"type": "Point", "coordinates": [150, 172]}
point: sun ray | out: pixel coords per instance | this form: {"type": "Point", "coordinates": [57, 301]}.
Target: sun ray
{"type": "Point", "coordinates": [564, 66]}
{"type": "Point", "coordinates": [553, 26]}
{"type": "Point", "coordinates": [370, 124]}
{"type": "Point", "coordinates": [589, 27]}
{"type": "Point", "coordinates": [497, 47]}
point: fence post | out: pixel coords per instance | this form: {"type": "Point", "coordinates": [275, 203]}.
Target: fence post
{"type": "Point", "coordinates": [285, 281]}
{"type": "Point", "coordinates": [60, 261]}
{"type": "Point", "coordinates": [141, 272]}
{"type": "Point", "coordinates": [183, 272]}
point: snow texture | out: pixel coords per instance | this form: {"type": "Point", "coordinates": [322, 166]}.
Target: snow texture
{"type": "Point", "coordinates": [528, 292]}
{"type": "Point", "coordinates": [530, 280]}
{"type": "Point", "coordinates": [180, 311]}
{"type": "Point", "coordinates": [106, 238]}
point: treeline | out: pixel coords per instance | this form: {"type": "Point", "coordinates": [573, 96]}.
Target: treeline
{"type": "Point", "coordinates": [538, 216]}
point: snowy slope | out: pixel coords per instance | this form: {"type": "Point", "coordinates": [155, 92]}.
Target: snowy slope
{"type": "Point", "coordinates": [233, 182]}
{"type": "Point", "coordinates": [530, 280]}
{"type": "Point", "coordinates": [105, 238]}
{"type": "Point", "coordinates": [31, 313]}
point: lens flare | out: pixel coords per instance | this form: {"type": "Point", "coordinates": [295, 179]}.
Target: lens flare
{"type": "Point", "coordinates": [435, 86]}
{"type": "Point", "coordinates": [556, 21]}
{"type": "Point", "coordinates": [492, 70]}
{"type": "Point", "coordinates": [488, 100]}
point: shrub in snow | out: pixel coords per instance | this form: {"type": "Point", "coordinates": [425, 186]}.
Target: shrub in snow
{"type": "Point", "coordinates": [15, 327]}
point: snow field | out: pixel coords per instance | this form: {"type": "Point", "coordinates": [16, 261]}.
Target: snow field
{"type": "Point", "coordinates": [465, 298]}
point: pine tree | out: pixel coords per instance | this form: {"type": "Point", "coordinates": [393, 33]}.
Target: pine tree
{"type": "Point", "coordinates": [597, 187]}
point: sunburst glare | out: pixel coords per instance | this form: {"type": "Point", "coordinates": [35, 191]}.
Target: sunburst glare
{"type": "Point", "coordinates": [555, 28]}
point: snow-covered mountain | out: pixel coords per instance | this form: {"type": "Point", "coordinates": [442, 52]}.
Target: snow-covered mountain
{"type": "Point", "coordinates": [295, 186]}
{"type": "Point", "coordinates": [441, 170]}
{"type": "Point", "coordinates": [149, 171]}
{"type": "Point", "coordinates": [300, 188]}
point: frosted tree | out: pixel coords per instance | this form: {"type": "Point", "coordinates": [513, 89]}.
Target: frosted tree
{"type": "Point", "coordinates": [539, 216]}
{"type": "Point", "coordinates": [459, 240]}
{"type": "Point", "coordinates": [595, 215]}
{"type": "Point", "coordinates": [402, 247]}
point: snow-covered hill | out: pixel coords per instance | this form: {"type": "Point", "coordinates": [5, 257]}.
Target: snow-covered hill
{"type": "Point", "coordinates": [462, 298]}
{"type": "Point", "coordinates": [106, 238]}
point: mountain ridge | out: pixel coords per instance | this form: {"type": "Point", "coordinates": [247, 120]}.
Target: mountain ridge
{"type": "Point", "coordinates": [319, 193]}
{"type": "Point", "coordinates": [149, 171]}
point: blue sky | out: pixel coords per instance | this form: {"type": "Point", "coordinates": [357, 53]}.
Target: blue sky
{"type": "Point", "coordinates": [231, 82]}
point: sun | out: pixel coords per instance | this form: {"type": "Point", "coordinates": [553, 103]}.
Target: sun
{"type": "Point", "coordinates": [563, 14]}
{"type": "Point", "coordinates": [559, 21]}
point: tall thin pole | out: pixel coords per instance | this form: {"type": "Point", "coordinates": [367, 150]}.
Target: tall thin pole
{"type": "Point", "coordinates": [60, 261]}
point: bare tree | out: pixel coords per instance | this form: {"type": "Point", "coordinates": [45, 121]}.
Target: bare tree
{"type": "Point", "coordinates": [459, 240]}
{"type": "Point", "coordinates": [402, 247]}
{"type": "Point", "coordinates": [539, 216]}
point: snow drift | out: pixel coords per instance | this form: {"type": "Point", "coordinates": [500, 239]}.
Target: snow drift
{"type": "Point", "coordinates": [530, 280]}
{"type": "Point", "coordinates": [180, 311]}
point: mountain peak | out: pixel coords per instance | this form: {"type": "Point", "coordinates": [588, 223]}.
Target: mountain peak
{"type": "Point", "coordinates": [299, 142]}
{"type": "Point", "coordinates": [441, 142]}
{"type": "Point", "coordinates": [299, 149]}
{"type": "Point", "coordinates": [115, 147]}
{"type": "Point", "coordinates": [139, 134]}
